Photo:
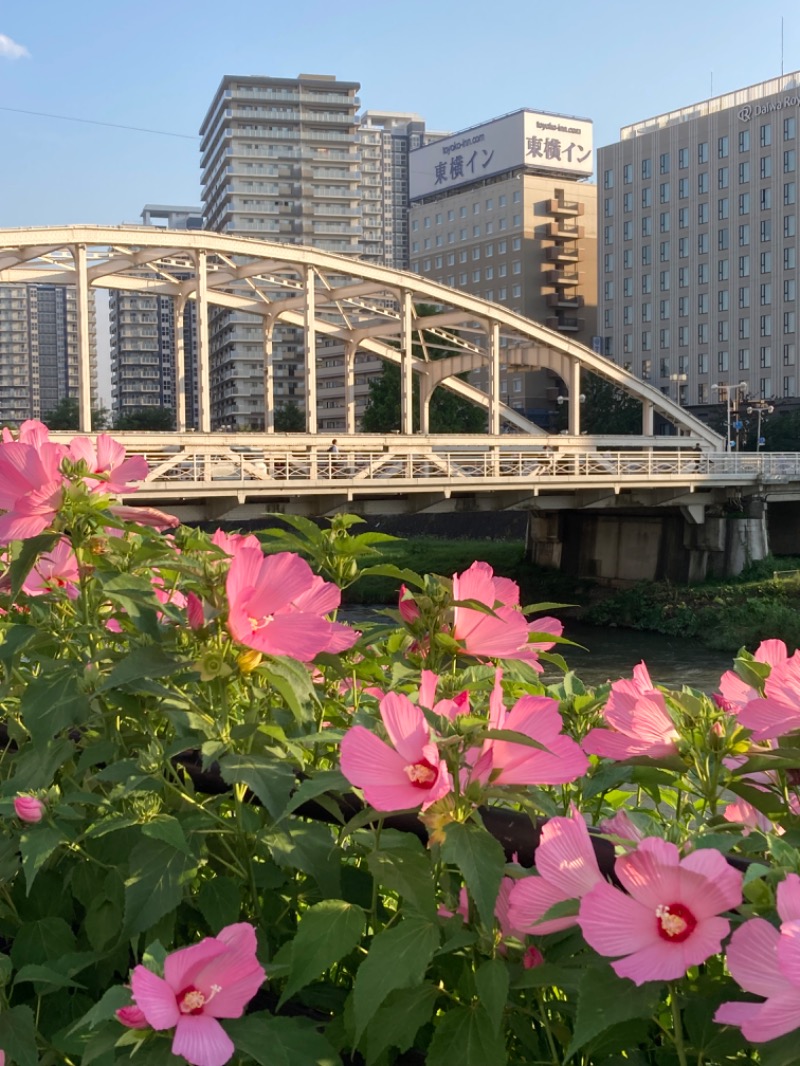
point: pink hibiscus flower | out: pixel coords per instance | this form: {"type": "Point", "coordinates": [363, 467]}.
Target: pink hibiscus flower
{"type": "Point", "coordinates": [29, 808]}
{"type": "Point", "coordinates": [766, 962]}
{"type": "Point", "coordinates": [778, 712]}
{"type": "Point", "coordinates": [734, 694]}
{"type": "Point", "coordinates": [142, 516]}
{"type": "Point", "coordinates": [447, 708]}
{"type": "Point", "coordinates": [278, 606]}
{"type": "Point", "coordinates": [504, 762]}
{"type": "Point", "coordinates": [213, 979]}
{"type": "Point", "coordinates": [31, 485]}
{"type": "Point", "coordinates": [405, 775]}
{"type": "Point", "coordinates": [107, 459]}
{"type": "Point", "coordinates": [504, 634]}
{"type": "Point", "coordinates": [567, 868]}
{"type": "Point", "coordinates": [669, 920]}
{"type": "Point", "coordinates": [232, 542]}
{"type": "Point", "coordinates": [640, 722]}
{"type": "Point", "coordinates": [53, 571]}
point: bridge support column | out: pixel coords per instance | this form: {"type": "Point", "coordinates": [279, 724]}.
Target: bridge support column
{"type": "Point", "coordinates": [647, 418]}
{"type": "Point", "coordinates": [494, 378]}
{"type": "Point", "coordinates": [269, 376]}
{"type": "Point", "coordinates": [574, 423]}
{"type": "Point", "coordinates": [203, 355]}
{"type": "Point", "coordinates": [350, 353]}
{"type": "Point", "coordinates": [84, 355]}
{"type": "Point", "coordinates": [406, 367]}
{"type": "Point", "coordinates": [180, 366]}
{"type": "Point", "coordinates": [311, 352]}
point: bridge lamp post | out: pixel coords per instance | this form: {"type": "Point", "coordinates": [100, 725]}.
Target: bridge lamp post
{"type": "Point", "coordinates": [731, 398]}
{"type": "Point", "coordinates": [561, 400]}
{"type": "Point", "coordinates": [679, 379]}
{"type": "Point", "coordinates": [762, 408]}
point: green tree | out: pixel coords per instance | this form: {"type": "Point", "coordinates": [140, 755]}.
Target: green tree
{"type": "Point", "coordinates": [289, 419]}
{"type": "Point", "coordinates": [781, 432]}
{"type": "Point", "coordinates": [158, 419]}
{"type": "Point", "coordinates": [606, 409]}
{"type": "Point", "coordinates": [448, 413]}
{"type": "Point", "coordinates": [66, 415]}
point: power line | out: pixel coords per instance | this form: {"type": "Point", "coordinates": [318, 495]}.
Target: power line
{"type": "Point", "coordinates": [96, 122]}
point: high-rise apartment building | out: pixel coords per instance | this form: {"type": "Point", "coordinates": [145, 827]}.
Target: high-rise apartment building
{"type": "Point", "coordinates": [699, 247]}
{"type": "Point", "coordinates": [39, 349]}
{"type": "Point", "coordinates": [502, 210]}
{"type": "Point", "coordinates": [143, 337]}
{"type": "Point", "coordinates": [280, 161]}
{"type": "Point", "coordinates": [386, 138]}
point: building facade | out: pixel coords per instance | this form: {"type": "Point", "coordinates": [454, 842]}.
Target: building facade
{"type": "Point", "coordinates": [143, 337]}
{"type": "Point", "coordinates": [39, 350]}
{"type": "Point", "coordinates": [503, 211]}
{"type": "Point", "coordinates": [697, 263]}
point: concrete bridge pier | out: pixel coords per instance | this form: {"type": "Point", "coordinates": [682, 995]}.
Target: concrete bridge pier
{"type": "Point", "coordinates": [623, 546]}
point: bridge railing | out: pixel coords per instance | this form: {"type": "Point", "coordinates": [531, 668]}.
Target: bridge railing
{"type": "Point", "coordinates": [260, 468]}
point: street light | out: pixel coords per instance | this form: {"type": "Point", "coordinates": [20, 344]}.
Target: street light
{"type": "Point", "coordinates": [729, 403]}
{"type": "Point", "coordinates": [561, 400]}
{"type": "Point", "coordinates": [679, 379]}
{"type": "Point", "coordinates": [763, 408]}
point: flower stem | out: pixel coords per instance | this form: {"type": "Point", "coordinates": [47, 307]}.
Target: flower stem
{"type": "Point", "coordinates": [677, 1027]}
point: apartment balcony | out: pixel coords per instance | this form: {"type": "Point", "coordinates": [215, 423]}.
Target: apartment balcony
{"type": "Point", "coordinates": [561, 231]}
{"type": "Point", "coordinates": [562, 302]}
{"type": "Point", "coordinates": [565, 325]}
{"type": "Point", "coordinates": [564, 279]}
{"type": "Point", "coordinates": [567, 254]}
{"type": "Point", "coordinates": [565, 208]}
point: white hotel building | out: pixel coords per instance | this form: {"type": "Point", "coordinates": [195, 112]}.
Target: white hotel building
{"type": "Point", "coordinates": [698, 246]}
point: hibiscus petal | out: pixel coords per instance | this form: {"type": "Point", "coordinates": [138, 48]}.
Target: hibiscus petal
{"type": "Point", "coordinates": [202, 1041]}
{"type": "Point", "coordinates": [779, 1015]}
{"type": "Point", "coordinates": [752, 958]}
{"type": "Point", "coordinates": [406, 726]}
{"type": "Point", "coordinates": [651, 873]}
{"type": "Point", "coordinates": [614, 924]}
{"type": "Point", "coordinates": [182, 967]}
{"type": "Point", "coordinates": [566, 858]}
{"type": "Point", "coordinates": [237, 972]}
{"type": "Point", "coordinates": [531, 897]}
{"type": "Point", "coordinates": [714, 885]}
{"type": "Point", "coordinates": [154, 998]}
{"type": "Point", "coordinates": [789, 898]}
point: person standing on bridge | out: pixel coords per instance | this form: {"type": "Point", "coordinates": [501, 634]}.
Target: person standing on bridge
{"type": "Point", "coordinates": [332, 462]}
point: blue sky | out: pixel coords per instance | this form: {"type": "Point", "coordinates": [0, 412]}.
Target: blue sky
{"type": "Point", "coordinates": [157, 65]}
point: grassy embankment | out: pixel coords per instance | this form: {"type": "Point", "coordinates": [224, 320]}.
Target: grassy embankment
{"type": "Point", "coordinates": [720, 614]}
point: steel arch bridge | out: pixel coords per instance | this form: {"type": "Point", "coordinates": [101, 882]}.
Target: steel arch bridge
{"type": "Point", "coordinates": [365, 307]}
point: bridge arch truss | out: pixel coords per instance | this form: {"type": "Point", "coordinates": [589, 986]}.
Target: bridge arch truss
{"type": "Point", "coordinates": [367, 308]}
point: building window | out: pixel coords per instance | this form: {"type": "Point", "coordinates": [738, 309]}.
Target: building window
{"type": "Point", "coordinates": [766, 262]}
{"type": "Point", "coordinates": [789, 128]}
{"type": "Point", "coordinates": [722, 330]}
{"type": "Point", "coordinates": [702, 183]}
{"type": "Point", "coordinates": [663, 163]}
{"type": "Point", "coordinates": [627, 287]}
{"type": "Point", "coordinates": [722, 208]}
{"type": "Point", "coordinates": [766, 199]}
{"type": "Point", "coordinates": [766, 166]}
{"type": "Point", "coordinates": [683, 307]}
{"type": "Point", "coordinates": [627, 315]}
{"type": "Point", "coordinates": [744, 234]}
{"type": "Point", "coordinates": [723, 270]}
{"type": "Point", "coordinates": [627, 231]}
{"type": "Point", "coordinates": [702, 213]}
{"type": "Point", "coordinates": [765, 357]}
{"type": "Point", "coordinates": [789, 354]}
{"type": "Point", "coordinates": [789, 319]}
{"type": "Point", "coordinates": [744, 266]}
{"type": "Point", "coordinates": [647, 340]}
{"type": "Point", "coordinates": [789, 291]}
{"type": "Point", "coordinates": [663, 192]}
{"type": "Point", "coordinates": [744, 141]}
{"type": "Point", "coordinates": [789, 161]}
{"type": "Point", "coordinates": [683, 188]}
{"type": "Point", "coordinates": [627, 202]}
{"type": "Point", "coordinates": [683, 278]}
{"type": "Point", "coordinates": [683, 218]}
{"type": "Point", "coordinates": [723, 300]}
{"type": "Point", "coordinates": [765, 293]}
{"type": "Point", "coordinates": [744, 296]}
{"type": "Point", "coordinates": [789, 226]}
{"type": "Point", "coordinates": [683, 158]}
{"type": "Point", "coordinates": [722, 362]}
{"type": "Point", "coordinates": [702, 363]}
{"type": "Point", "coordinates": [647, 311]}
{"type": "Point", "coordinates": [647, 169]}
{"type": "Point", "coordinates": [766, 229]}
{"type": "Point", "coordinates": [608, 290]}
{"type": "Point", "coordinates": [765, 135]}
{"type": "Point", "coordinates": [790, 258]}
{"type": "Point", "coordinates": [663, 252]}
{"type": "Point", "coordinates": [702, 333]}
{"type": "Point", "coordinates": [647, 197]}
{"type": "Point", "coordinates": [744, 203]}
{"type": "Point", "coordinates": [789, 193]}
{"type": "Point", "coordinates": [744, 172]}
{"type": "Point", "coordinates": [664, 281]}
{"type": "Point", "coordinates": [663, 309]}
{"type": "Point", "coordinates": [722, 178]}
{"type": "Point", "coordinates": [683, 248]}
{"type": "Point", "coordinates": [744, 329]}
{"type": "Point", "coordinates": [647, 226]}
{"type": "Point", "coordinates": [702, 303]}
{"type": "Point", "coordinates": [647, 255]}
{"type": "Point", "coordinates": [702, 152]}
{"type": "Point", "coordinates": [627, 174]}
{"type": "Point", "coordinates": [647, 283]}
{"type": "Point", "coordinates": [722, 239]}
{"type": "Point", "coordinates": [703, 274]}
{"type": "Point", "coordinates": [703, 244]}
{"type": "Point", "coordinates": [765, 326]}
{"type": "Point", "coordinates": [627, 259]}
{"type": "Point", "coordinates": [683, 336]}
{"type": "Point", "coordinates": [744, 358]}
{"type": "Point", "coordinates": [722, 147]}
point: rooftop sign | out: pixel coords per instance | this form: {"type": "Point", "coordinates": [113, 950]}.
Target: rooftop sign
{"type": "Point", "coordinates": [542, 142]}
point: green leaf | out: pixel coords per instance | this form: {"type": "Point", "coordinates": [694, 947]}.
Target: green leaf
{"type": "Point", "coordinates": [323, 781]}
{"type": "Point", "coordinates": [481, 860]}
{"type": "Point", "coordinates": [308, 846]}
{"type": "Point", "coordinates": [399, 1020]}
{"type": "Point", "coordinates": [25, 560]}
{"type": "Point", "coordinates": [292, 680]}
{"type": "Point", "coordinates": [405, 869]}
{"type": "Point", "coordinates": [491, 981]}
{"type": "Point", "coordinates": [168, 829]}
{"type": "Point", "coordinates": [219, 901]}
{"type": "Point", "coordinates": [466, 1036]}
{"type": "Point", "coordinates": [18, 1036]}
{"type": "Point", "coordinates": [45, 940]}
{"type": "Point", "coordinates": [272, 1041]}
{"type": "Point", "coordinates": [146, 662]}
{"type": "Point", "coordinates": [14, 639]}
{"type": "Point", "coordinates": [155, 887]}
{"type": "Point", "coordinates": [53, 702]}
{"type": "Point", "coordinates": [513, 737]}
{"type": "Point", "coordinates": [36, 845]}
{"type": "Point", "coordinates": [270, 779]}
{"type": "Point", "coordinates": [327, 932]}
{"type": "Point", "coordinates": [105, 1008]}
{"type": "Point", "coordinates": [605, 999]}
{"type": "Point", "coordinates": [40, 975]}
{"type": "Point", "coordinates": [398, 958]}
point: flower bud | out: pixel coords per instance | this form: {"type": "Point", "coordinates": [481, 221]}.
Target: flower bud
{"type": "Point", "coordinates": [249, 660]}
{"type": "Point", "coordinates": [29, 808]}
{"type": "Point", "coordinates": [532, 958]}
{"type": "Point", "coordinates": [132, 1018]}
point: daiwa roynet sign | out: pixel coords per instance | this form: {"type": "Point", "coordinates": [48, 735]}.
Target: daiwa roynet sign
{"type": "Point", "coordinates": [551, 143]}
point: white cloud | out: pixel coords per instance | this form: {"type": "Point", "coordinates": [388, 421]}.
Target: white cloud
{"type": "Point", "coordinates": [11, 50]}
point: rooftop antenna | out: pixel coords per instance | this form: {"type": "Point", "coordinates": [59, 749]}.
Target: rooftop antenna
{"type": "Point", "coordinates": [712, 83]}
{"type": "Point", "coordinates": [781, 45]}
